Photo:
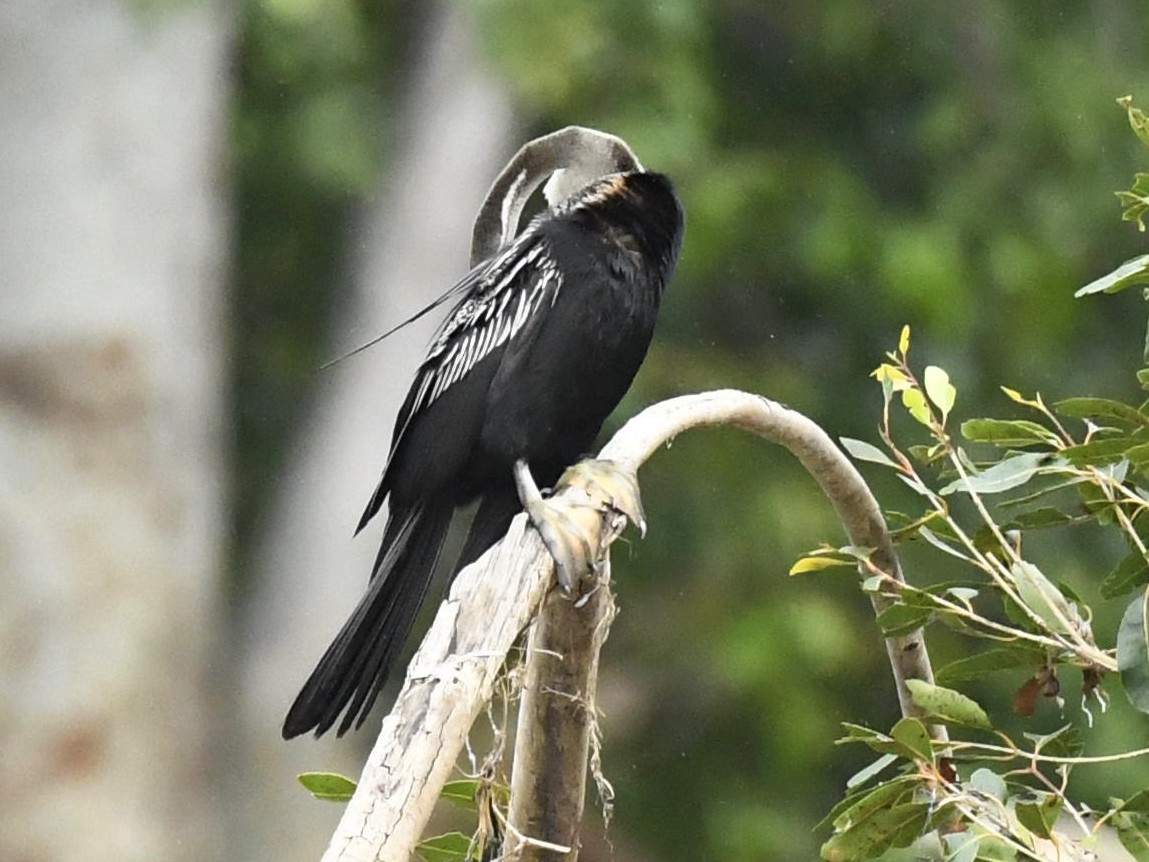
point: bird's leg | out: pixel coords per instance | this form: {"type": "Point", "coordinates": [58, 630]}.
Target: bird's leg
{"type": "Point", "coordinates": [568, 543]}
{"type": "Point", "coordinates": [571, 525]}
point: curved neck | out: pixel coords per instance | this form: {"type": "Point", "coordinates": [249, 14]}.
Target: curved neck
{"type": "Point", "coordinates": [572, 158]}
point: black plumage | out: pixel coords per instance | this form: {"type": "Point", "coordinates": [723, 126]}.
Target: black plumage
{"type": "Point", "coordinates": [545, 339]}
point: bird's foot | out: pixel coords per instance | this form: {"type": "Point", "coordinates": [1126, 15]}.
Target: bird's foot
{"type": "Point", "coordinates": [571, 524]}
{"type": "Point", "coordinates": [610, 486]}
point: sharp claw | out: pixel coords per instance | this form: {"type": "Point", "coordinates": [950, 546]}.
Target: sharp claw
{"type": "Point", "coordinates": [563, 525]}
{"type": "Point", "coordinates": [567, 543]}
{"type": "Point", "coordinates": [612, 484]}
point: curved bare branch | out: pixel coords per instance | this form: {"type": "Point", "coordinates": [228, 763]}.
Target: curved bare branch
{"type": "Point", "coordinates": [847, 491]}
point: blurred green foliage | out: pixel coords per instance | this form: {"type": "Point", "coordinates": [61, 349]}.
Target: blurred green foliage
{"type": "Point", "coordinates": [313, 102]}
{"type": "Point", "coordinates": [847, 167]}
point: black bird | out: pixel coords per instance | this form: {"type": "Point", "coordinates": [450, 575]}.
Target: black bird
{"type": "Point", "coordinates": [546, 338]}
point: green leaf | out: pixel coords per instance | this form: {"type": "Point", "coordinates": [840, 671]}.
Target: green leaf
{"type": "Point", "coordinates": [1053, 468]}
{"type": "Point", "coordinates": [947, 705]}
{"type": "Point", "coordinates": [962, 594]}
{"type": "Point", "coordinates": [1137, 119]}
{"type": "Point", "coordinates": [962, 591]}
{"type": "Point", "coordinates": [939, 389]}
{"type": "Point", "coordinates": [989, 783]}
{"type": "Point", "coordinates": [1133, 652]}
{"type": "Point", "coordinates": [860, 450]}
{"type": "Point", "coordinates": [900, 619]}
{"type": "Point", "coordinates": [1101, 408]}
{"type": "Point", "coordinates": [1042, 597]}
{"type": "Point", "coordinates": [860, 733]}
{"type": "Point", "coordinates": [875, 740]}
{"type": "Point", "coordinates": [1095, 503]}
{"type": "Point", "coordinates": [1130, 573]}
{"type": "Point", "coordinates": [860, 804]}
{"type": "Point", "coordinates": [1099, 452]}
{"type": "Point", "coordinates": [1066, 741]}
{"type": "Point", "coordinates": [912, 733]}
{"type": "Point", "coordinates": [939, 543]}
{"type": "Point", "coordinates": [1006, 432]}
{"type": "Point", "coordinates": [328, 785]}
{"type": "Point", "coordinates": [1002, 476]}
{"type": "Point", "coordinates": [1138, 802]}
{"type": "Point", "coordinates": [991, 848]}
{"type": "Point", "coordinates": [988, 540]}
{"type": "Point", "coordinates": [1018, 398]}
{"type": "Point", "coordinates": [817, 563]}
{"type": "Point", "coordinates": [976, 666]}
{"type": "Point", "coordinates": [857, 553]}
{"type": "Point", "coordinates": [863, 776]}
{"type": "Point", "coordinates": [461, 793]}
{"type": "Point", "coordinates": [925, 454]}
{"type": "Point", "coordinates": [449, 847]}
{"type": "Point", "coordinates": [1132, 825]}
{"type": "Point", "coordinates": [1135, 202]}
{"type": "Point", "coordinates": [1039, 813]}
{"type": "Point", "coordinates": [960, 846]}
{"type": "Point", "coordinates": [1130, 273]}
{"type": "Point", "coordinates": [1036, 519]}
{"type": "Point", "coordinates": [885, 828]}
{"type": "Point", "coordinates": [1139, 456]}
{"type": "Point", "coordinates": [1131, 818]}
{"type": "Point", "coordinates": [892, 380]}
{"type": "Point", "coordinates": [915, 402]}
{"type": "Point", "coordinates": [1133, 833]}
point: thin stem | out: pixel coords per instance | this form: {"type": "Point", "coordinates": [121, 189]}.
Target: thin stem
{"type": "Point", "coordinates": [1048, 758]}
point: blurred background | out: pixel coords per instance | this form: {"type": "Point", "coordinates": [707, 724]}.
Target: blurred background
{"type": "Point", "coordinates": [202, 202]}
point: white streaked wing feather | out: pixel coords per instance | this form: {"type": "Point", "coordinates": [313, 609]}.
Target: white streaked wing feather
{"type": "Point", "coordinates": [501, 303]}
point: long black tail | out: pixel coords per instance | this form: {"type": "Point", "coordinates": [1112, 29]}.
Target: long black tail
{"type": "Point", "coordinates": [354, 668]}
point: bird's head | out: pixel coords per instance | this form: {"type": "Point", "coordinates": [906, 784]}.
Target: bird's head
{"type": "Point", "coordinates": [567, 160]}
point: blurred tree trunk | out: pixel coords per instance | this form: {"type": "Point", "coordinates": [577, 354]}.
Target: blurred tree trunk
{"type": "Point", "coordinates": [112, 256]}
{"type": "Point", "coordinates": [456, 132]}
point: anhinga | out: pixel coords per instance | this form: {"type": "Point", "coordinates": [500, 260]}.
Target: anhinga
{"type": "Point", "coordinates": [546, 336]}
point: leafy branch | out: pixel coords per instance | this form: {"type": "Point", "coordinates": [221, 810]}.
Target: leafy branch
{"type": "Point", "coordinates": [1008, 811]}
{"type": "Point", "coordinates": [1135, 202]}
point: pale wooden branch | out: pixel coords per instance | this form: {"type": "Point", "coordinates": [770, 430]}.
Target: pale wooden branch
{"type": "Point", "coordinates": [847, 491]}
{"type": "Point", "coordinates": [556, 715]}
{"type": "Point", "coordinates": [491, 601]}
{"type": "Point", "coordinates": [558, 698]}
{"type": "Point", "coordinates": [448, 681]}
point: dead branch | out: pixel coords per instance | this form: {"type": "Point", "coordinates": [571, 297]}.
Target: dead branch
{"type": "Point", "coordinates": [493, 600]}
